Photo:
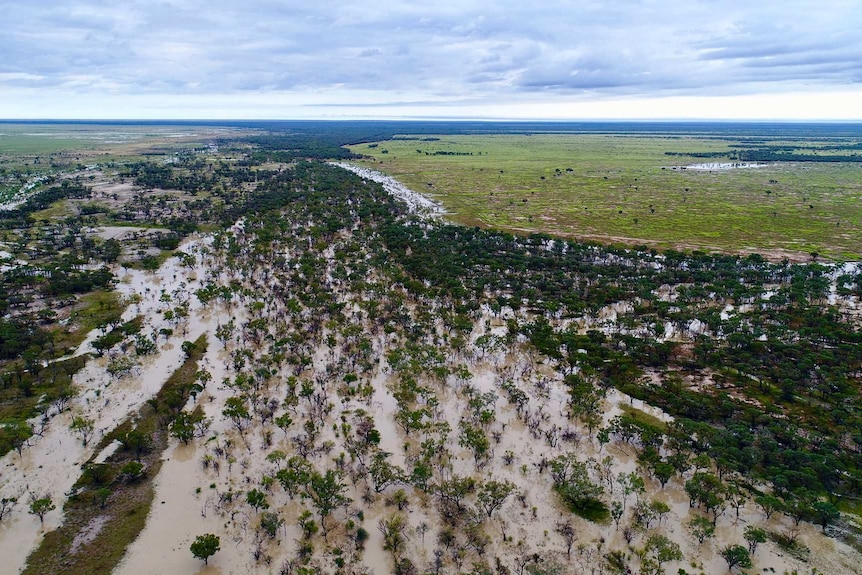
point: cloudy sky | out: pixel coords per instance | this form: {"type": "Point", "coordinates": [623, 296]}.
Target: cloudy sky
{"type": "Point", "coordinates": [533, 59]}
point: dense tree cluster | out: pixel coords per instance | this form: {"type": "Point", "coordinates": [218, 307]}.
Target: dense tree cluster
{"type": "Point", "coordinates": [16, 336]}
{"type": "Point", "coordinates": [189, 177]}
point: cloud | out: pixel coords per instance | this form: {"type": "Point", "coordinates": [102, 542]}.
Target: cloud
{"type": "Point", "coordinates": [21, 77]}
{"type": "Point", "coordinates": [440, 52]}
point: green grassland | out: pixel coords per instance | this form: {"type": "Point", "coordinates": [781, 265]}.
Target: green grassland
{"type": "Point", "coordinates": [624, 188]}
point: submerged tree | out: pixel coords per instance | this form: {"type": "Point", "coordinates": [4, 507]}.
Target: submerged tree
{"type": "Point", "coordinates": [755, 536]}
{"type": "Point", "coordinates": [6, 506]}
{"type": "Point", "coordinates": [41, 506]}
{"type": "Point", "coordinates": [326, 491]}
{"type": "Point", "coordinates": [736, 556]}
{"type": "Point", "coordinates": [572, 482]}
{"type": "Point", "coordinates": [205, 546]}
{"type": "Point", "coordinates": [84, 427]}
{"type": "Point", "coordinates": [657, 551]}
{"type": "Point", "coordinates": [492, 494]}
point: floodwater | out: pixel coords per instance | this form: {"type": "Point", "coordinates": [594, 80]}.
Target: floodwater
{"type": "Point", "coordinates": [721, 166]}
{"type": "Point", "coordinates": [189, 496]}
{"type": "Point", "coordinates": [417, 202]}
{"type": "Point", "coordinates": [50, 465]}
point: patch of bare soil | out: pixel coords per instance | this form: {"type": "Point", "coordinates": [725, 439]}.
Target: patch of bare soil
{"type": "Point", "coordinates": [88, 533]}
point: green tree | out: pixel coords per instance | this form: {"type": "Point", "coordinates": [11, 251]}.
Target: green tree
{"type": "Point", "coordinates": [754, 536]}
{"type": "Point", "coordinates": [326, 491]}
{"type": "Point", "coordinates": [769, 504]}
{"type": "Point", "coordinates": [825, 514]}
{"type": "Point", "coordinates": [144, 345]}
{"type": "Point", "coordinates": [188, 348]}
{"type": "Point", "coordinates": [492, 494]}
{"type": "Point", "coordinates": [572, 482]}
{"type": "Point", "coordinates": [277, 456]}
{"type": "Point", "coordinates": [295, 475]}
{"type": "Point", "coordinates": [361, 537]}
{"type": "Point", "coordinates": [453, 491]}
{"type": "Point", "coordinates": [383, 473]}
{"type": "Point", "coordinates": [84, 427]}
{"type": "Point", "coordinates": [736, 556]}
{"type": "Point", "coordinates": [400, 499]}
{"type": "Point", "coordinates": [236, 410]}
{"type": "Point", "coordinates": [183, 427]}
{"type": "Point", "coordinates": [136, 441]}
{"type": "Point", "coordinates": [800, 505]}
{"type": "Point", "coordinates": [392, 530]}
{"type": "Point", "coordinates": [630, 483]}
{"type": "Point", "coordinates": [270, 523]}
{"type": "Point", "coordinates": [41, 507]}
{"type": "Point", "coordinates": [706, 490]}
{"type": "Point", "coordinates": [284, 422]}
{"type": "Point", "coordinates": [14, 436]}
{"type": "Point", "coordinates": [663, 472]}
{"type": "Point", "coordinates": [120, 366]}
{"type": "Point", "coordinates": [585, 399]}
{"type": "Point", "coordinates": [306, 522]}
{"type": "Point", "coordinates": [205, 546]}
{"type": "Point", "coordinates": [97, 473]}
{"type": "Point", "coordinates": [110, 250]}
{"type": "Point", "coordinates": [657, 551]}
{"type": "Point", "coordinates": [702, 528]}
{"type": "Point", "coordinates": [257, 499]}
{"type": "Point", "coordinates": [133, 470]}
{"type": "Point", "coordinates": [617, 562]}
{"type": "Point", "coordinates": [473, 438]}
{"type": "Point", "coordinates": [410, 419]}
{"type": "Point", "coordinates": [617, 512]}
{"type": "Point", "coordinates": [101, 495]}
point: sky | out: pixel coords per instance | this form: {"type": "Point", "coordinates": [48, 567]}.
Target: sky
{"type": "Point", "coordinates": [446, 59]}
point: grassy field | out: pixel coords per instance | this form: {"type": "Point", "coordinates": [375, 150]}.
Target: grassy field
{"type": "Point", "coordinates": [95, 309]}
{"type": "Point", "coordinates": [620, 188]}
{"type": "Point", "coordinates": [85, 139]}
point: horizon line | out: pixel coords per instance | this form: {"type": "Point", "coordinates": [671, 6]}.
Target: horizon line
{"type": "Point", "coordinates": [457, 119]}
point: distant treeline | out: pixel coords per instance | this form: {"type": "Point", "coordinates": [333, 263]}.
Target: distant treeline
{"type": "Point", "coordinates": [777, 154]}
{"type": "Point", "coordinates": [288, 147]}
{"type": "Point", "coordinates": [790, 148]}
{"type": "Point", "coordinates": [781, 156]}
{"type": "Point", "coordinates": [699, 154]}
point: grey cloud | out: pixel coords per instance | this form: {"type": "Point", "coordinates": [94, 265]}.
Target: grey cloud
{"type": "Point", "coordinates": [464, 49]}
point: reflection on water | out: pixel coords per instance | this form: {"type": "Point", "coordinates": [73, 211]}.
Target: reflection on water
{"type": "Point", "coordinates": [720, 166]}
